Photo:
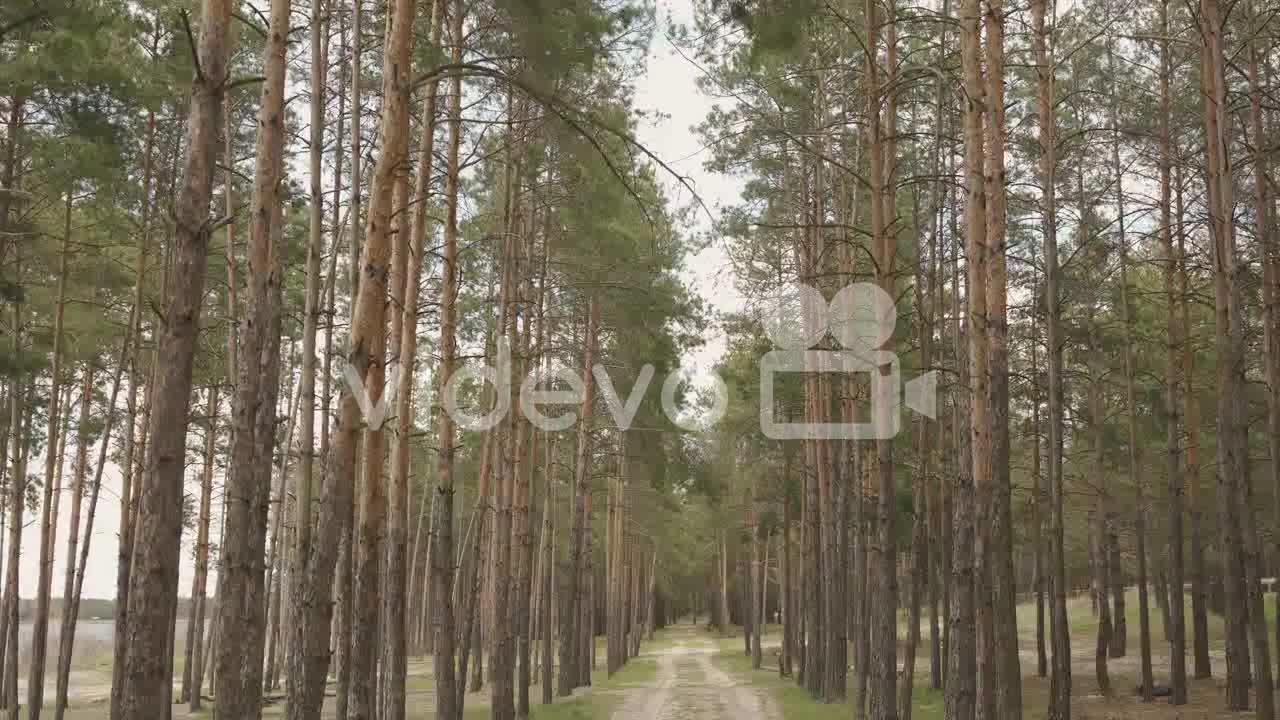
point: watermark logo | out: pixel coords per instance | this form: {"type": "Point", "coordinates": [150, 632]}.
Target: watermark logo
{"type": "Point", "coordinates": [375, 414]}
{"type": "Point", "coordinates": [539, 391]}
{"type": "Point", "coordinates": [860, 317]}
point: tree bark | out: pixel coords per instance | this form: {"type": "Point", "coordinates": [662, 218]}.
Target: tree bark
{"type": "Point", "coordinates": [195, 652]}
{"type": "Point", "coordinates": [442, 556]}
{"type": "Point", "coordinates": [1008, 668]}
{"type": "Point", "coordinates": [548, 609]}
{"type": "Point", "coordinates": [1246, 622]}
{"type": "Point", "coordinates": [304, 487]}
{"type": "Point", "coordinates": [962, 672]}
{"type": "Point", "coordinates": [153, 574]}
{"type": "Point", "coordinates": [366, 357]}
{"type": "Point", "coordinates": [1270, 256]}
{"type": "Point", "coordinates": [1060, 676]}
{"type": "Point", "coordinates": [71, 603]}
{"type": "Point", "coordinates": [238, 672]}
{"type": "Point", "coordinates": [1177, 631]}
{"type": "Point", "coordinates": [346, 518]}
{"type": "Point", "coordinates": [1140, 527]}
{"type": "Point", "coordinates": [371, 322]}
{"type": "Point", "coordinates": [1199, 578]}
{"type": "Point", "coordinates": [883, 665]}
{"type": "Point", "coordinates": [20, 421]}
{"type": "Point", "coordinates": [127, 495]}
{"type": "Point", "coordinates": [78, 475]}
{"type": "Point", "coordinates": [570, 628]}
{"type": "Point", "coordinates": [52, 489]}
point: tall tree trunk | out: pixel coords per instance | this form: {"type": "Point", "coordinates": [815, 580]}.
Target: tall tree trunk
{"type": "Point", "coordinates": [961, 690]}
{"type": "Point", "coordinates": [128, 463]}
{"type": "Point", "coordinates": [921, 507]}
{"type": "Point", "coordinates": [52, 467]}
{"type": "Point", "coordinates": [1270, 255]}
{"type": "Point", "coordinates": [1008, 667]}
{"type": "Point", "coordinates": [371, 322]}
{"type": "Point", "coordinates": [153, 577]}
{"type": "Point", "coordinates": [1060, 640]}
{"type": "Point", "coordinates": [936, 566]}
{"type": "Point", "coordinates": [394, 630]}
{"type": "Point", "coordinates": [442, 556]}
{"type": "Point", "coordinates": [570, 628]}
{"type": "Point", "coordinates": [195, 651]}
{"type": "Point", "coordinates": [238, 669]}
{"type": "Point", "coordinates": [587, 607]}
{"type": "Point", "coordinates": [548, 608]}
{"type": "Point", "coordinates": [422, 188]}
{"type": "Point", "coordinates": [71, 602]}
{"type": "Point", "coordinates": [366, 358]}
{"type": "Point", "coordinates": [1199, 577]}
{"type": "Point", "coordinates": [723, 596]}
{"type": "Point", "coordinates": [1102, 504]}
{"type": "Point", "coordinates": [523, 540]}
{"type": "Point", "coordinates": [502, 658]}
{"type": "Point", "coordinates": [1177, 631]}
{"type": "Point", "coordinates": [20, 421]}
{"type": "Point", "coordinates": [614, 656]}
{"type": "Point", "coordinates": [13, 504]}
{"type": "Point", "coordinates": [1246, 622]}
{"type": "Point", "coordinates": [756, 578]}
{"type": "Point", "coordinates": [305, 448]}
{"type": "Point", "coordinates": [883, 622]}
{"type": "Point", "coordinates": [1140, 525]}
{"type": "Point", "coordinates": [785, 587]}
{"type": "Point", "coordinates": [78, 474]}
{"type": "Point", "coordinates": [347, 517]}
{"type": "Point", "coordinates": [280, 507]}
{"type": "Point", "coordinates": [1040, 494]}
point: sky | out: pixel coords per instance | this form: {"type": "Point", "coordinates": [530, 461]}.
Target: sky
{"type": "Point", "coordinates": [670, 88]}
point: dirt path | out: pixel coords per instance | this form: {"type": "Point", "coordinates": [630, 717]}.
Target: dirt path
{"type": "Point", "coordinates": [690, 687]}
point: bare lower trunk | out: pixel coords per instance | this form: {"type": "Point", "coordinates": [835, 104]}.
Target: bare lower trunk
{"type": "Point", "coordinates": [52, 490]}
{"type": "Point", "coordinates": [71, 607]}
{"type": "Point", "coordinates": [1191, 422]}
{"type": "Point", "coordinates": [1101, 518]}
{"type": "Point", "coordinates": [571, 630]}
{"type": "Point", "coordinates": [79, 473]}
{"type": "Point", "coordinates": [19, 425]}
{"type": "Point", "coordinates": [548, 609]}
{"type": "Point", "coordinates": [195, 653]}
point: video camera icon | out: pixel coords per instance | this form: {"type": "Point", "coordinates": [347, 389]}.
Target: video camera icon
{"type": "Point", "coordinates": [861, 317]}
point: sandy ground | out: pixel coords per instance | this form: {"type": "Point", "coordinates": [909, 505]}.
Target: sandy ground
{"type": "Point", "coordinates": [688, 687]}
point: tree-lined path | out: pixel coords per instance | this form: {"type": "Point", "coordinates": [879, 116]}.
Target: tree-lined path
{"type": "Point", "coordinates": [407, 359]}
{"type": "Point", "coordinates": [689, 685]}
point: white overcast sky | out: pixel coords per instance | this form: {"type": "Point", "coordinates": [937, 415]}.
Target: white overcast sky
{"type": "Point", "coordinates": [669, 87]}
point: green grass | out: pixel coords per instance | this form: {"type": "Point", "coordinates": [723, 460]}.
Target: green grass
{"type": "Point", "coordinates": [603, 697]}
{"type": "Point", "coordinates": [795, 703]}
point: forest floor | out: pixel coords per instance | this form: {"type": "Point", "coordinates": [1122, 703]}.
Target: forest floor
{"type": "Point", "coordinates": [686, 673]}
{"type": "Point", "coordinates": [689, 686]}
{"type": "Point", "coordinates": [1206, 696]}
